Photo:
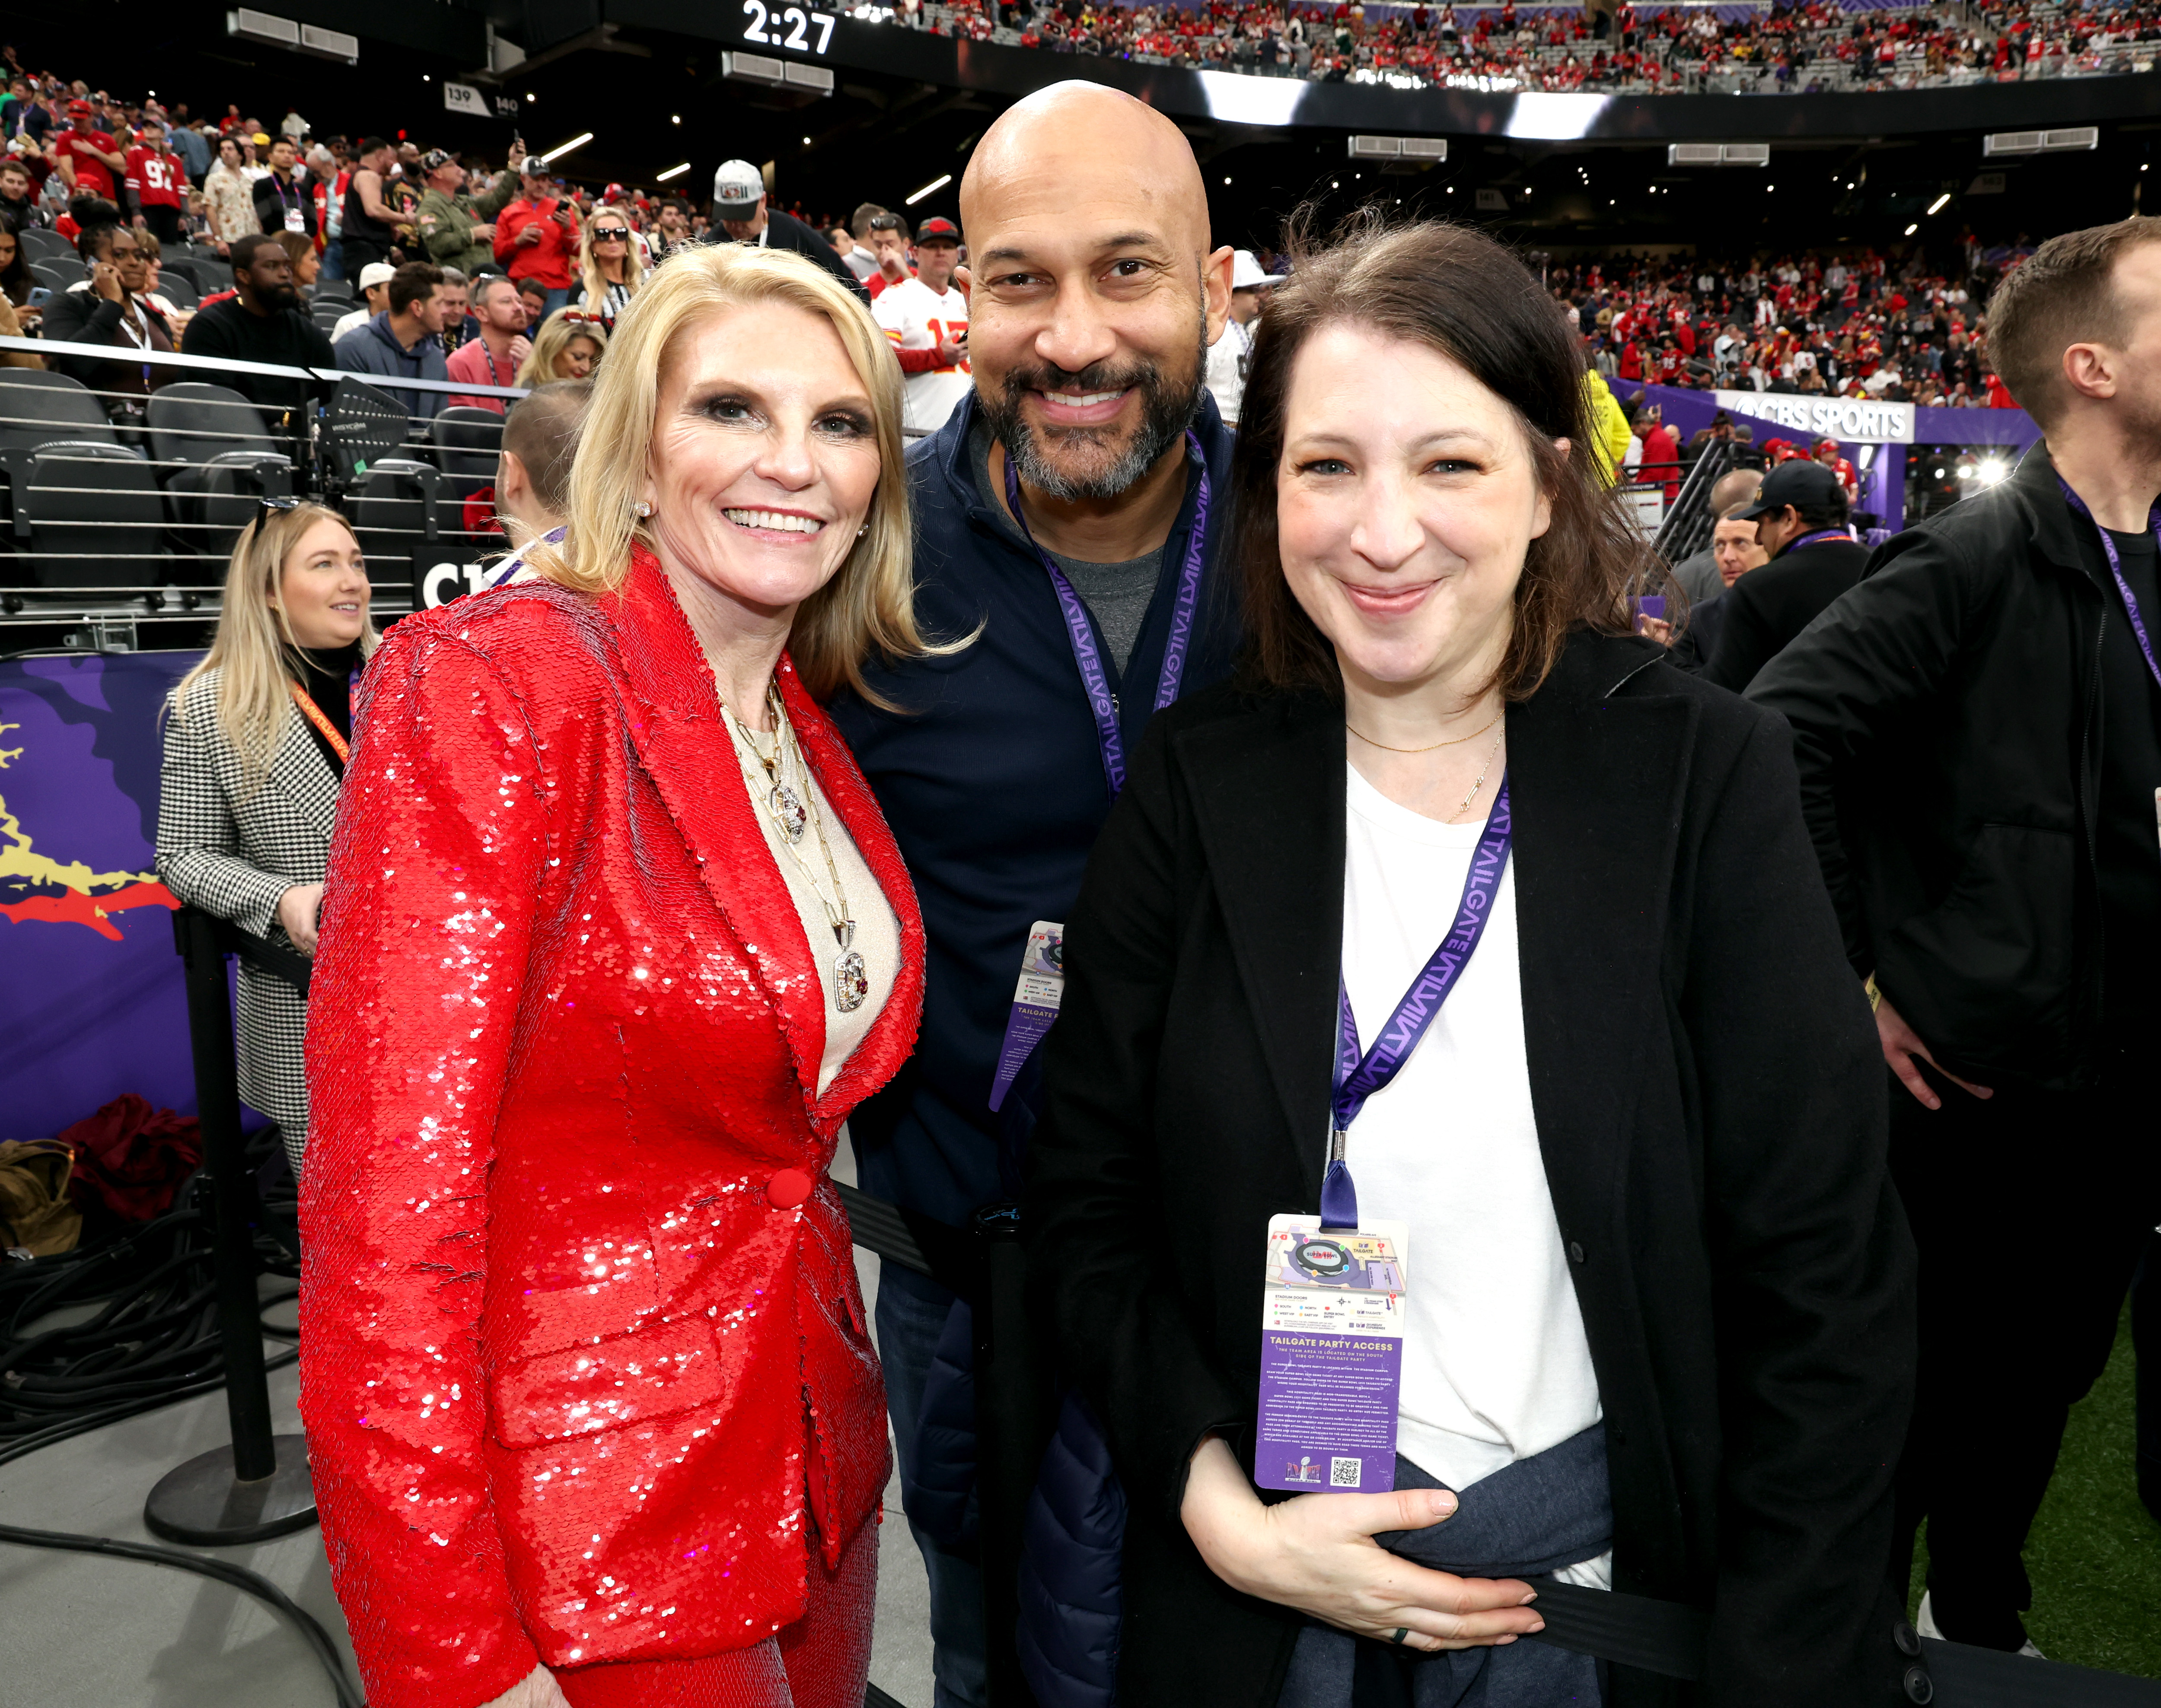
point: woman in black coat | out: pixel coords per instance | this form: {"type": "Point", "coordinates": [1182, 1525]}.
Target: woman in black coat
{"type": "Point", "coordinates": [1659, 1292]}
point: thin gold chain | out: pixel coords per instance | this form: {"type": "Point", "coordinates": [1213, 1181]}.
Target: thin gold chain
{"type": "Point", "coordinates": [1454, 741]}
{"type": "Point", "coordinates": [1463, 805]}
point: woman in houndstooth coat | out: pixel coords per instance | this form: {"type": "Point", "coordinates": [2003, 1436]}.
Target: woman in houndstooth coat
{"type": "Point", "coordinates": [256, 739]}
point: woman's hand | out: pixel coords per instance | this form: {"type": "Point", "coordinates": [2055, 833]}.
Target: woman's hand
{"type": "Point", "coordinates": [1903, 1046]}
{"type": "Point", "coordinates": [1316, 1553]}
{"type": "Point", "coordinates": [297, 909]}
{"type": "Point", "coordinates": [538, 1688]}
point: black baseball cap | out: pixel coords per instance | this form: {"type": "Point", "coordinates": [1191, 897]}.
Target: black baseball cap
{"type": "Point", "coordinates": [941, 229]}
{"type": "Point", "coordinates": [1799, 482]}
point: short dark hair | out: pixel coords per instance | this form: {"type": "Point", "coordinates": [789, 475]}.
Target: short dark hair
{"type": "Point", "coordinates": [859, 222]}
{"type": "Point", "coordinates": [2063, 293]}
{"type": "Point", "coordinates": [1460, 293]}
{"type": "Point", "coordinates": [1833, 514]}
{"type": "Point", "coordinates": [366, 146]}
{"type": "Point", "coordinates": [413, 282]}
{"type": "Point", "coordinates": [241, 250]}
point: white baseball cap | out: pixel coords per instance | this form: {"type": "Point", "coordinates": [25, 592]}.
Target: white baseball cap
{"type": "Point", "coordinates": [376, 272]}
{"type": "Point", "coordinates": [736, 188]}
{"type": "Point", "coordinates": [1246, 274]}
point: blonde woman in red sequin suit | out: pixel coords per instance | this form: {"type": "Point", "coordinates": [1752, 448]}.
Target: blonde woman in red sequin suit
{"type": "Point", "coordinates": [615, 939]}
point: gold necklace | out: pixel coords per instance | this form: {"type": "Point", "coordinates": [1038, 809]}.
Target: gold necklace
{"type": "Point", "coordinates": [1463, 805]}
{"type": "Point", "coordinates": [851, 981]}
{"type": "Point", "coordinates": [1454, 741]}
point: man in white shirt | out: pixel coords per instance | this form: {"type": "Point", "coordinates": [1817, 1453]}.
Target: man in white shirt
{"type": "Point", "coordinates": [926, 317]}
{"type": "Point", "coordinates": [1231, 353]}
{"type": "Point", "coordinates": [375, 293]}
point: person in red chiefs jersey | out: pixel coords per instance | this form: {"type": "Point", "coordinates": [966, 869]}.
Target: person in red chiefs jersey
{"type": "Point", "coordinates": [926, 318]}
{"type": "Point", "coordinates": [86, 157]}
{"type": "Point", "coordinates": [157, 183]}
{"type": "Point", "coordinates": [1827, 453]}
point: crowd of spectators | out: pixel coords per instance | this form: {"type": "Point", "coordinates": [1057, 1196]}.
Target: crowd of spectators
{"type": "Point", "coordinates": [1766, 47]}
{"type": "Point", "coordinates": [1840, 323]}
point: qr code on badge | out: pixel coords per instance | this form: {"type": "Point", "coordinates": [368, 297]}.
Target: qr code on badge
{"type": "Point", "coordinates": [1344, 1473]}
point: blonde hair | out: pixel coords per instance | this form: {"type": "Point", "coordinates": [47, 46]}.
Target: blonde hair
{"type": "Point", "coordinates": [255, 652]}
{"type": "Point", "coordinates": [635, 271]}
{"type": "Point", "coordinates": [552, 339]}
{"type": "Point", "coordinates": [869, 602]}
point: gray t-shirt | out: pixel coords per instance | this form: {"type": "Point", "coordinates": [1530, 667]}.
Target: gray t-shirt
{"type": "Point", "coordinates": [1116, 594]}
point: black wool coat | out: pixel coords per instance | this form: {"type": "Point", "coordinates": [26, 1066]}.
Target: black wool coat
{"type": "Point", "coordinates": [1710, 1100]}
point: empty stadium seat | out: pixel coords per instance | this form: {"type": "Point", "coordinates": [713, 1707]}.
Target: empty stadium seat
{"type": "Point", "coordinates": [205, 276]}
{"type": "Point", "coordinates": [95, 516]}
{"type": "Point", "coordinates": [177, 289]}
{"type": "Point", "coordinates": [398, 500]}
{"type": "Point", "coordinates": [466, 441]}
{"type": "Point", "coordinates": [215, 461]}
{"type": "Point", "coordinates": [38, 243]}
{"type": "Point", "coordinates": [57, 273]}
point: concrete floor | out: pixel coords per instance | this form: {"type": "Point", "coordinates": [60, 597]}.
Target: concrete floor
{"type": "Point", "coordinates": [81, 1632]}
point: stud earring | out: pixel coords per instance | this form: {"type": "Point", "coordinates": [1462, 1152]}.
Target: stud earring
{"type": "Point", "coordinates": [863, 530]}
{"type": "Point", "coordinates": [643, 508]}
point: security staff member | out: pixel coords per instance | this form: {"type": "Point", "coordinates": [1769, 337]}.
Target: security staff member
{"type": "Point", "coordinates": [1801, 518]}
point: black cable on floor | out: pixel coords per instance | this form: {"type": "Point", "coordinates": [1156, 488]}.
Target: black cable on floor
{"type": "Point", "coordinates": [151, 1339]}
{"type": "Point", "coordinates": [222, 1572]}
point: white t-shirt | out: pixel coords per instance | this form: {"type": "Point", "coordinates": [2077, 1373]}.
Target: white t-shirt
{"type": "Point", "coordinates": [1229, 357]}
{"type": "Point", "coordinates": [1496, 1367]}
{"type": "Point", "coordinates": [915, 317]}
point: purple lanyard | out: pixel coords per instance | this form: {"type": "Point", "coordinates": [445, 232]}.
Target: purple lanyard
{"type": "Point", "coordinates": [2116, 568]}
{"type": "Point", "coordinates": [1094, 681]}
{"type": "Point", "coordinates": [1821, 533]}
{"type": "Point", "coordinates": [1358, 1077]}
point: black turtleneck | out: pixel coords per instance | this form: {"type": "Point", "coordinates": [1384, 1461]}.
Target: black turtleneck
{"type": "Point", "coordinates": [326, 676]}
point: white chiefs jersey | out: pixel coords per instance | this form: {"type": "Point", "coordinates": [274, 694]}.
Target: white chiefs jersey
{"type": "Point", "coordinates": [1230, 358]}
{"type": "Point", "coordinates": [915, 317]}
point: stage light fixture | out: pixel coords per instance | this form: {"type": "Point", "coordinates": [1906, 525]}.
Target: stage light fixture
{"type": "Point", "coordinates": [672, 172]}
{"type": "Point", "coordinates": [1937, 206]}
{"type": "Point", "coordinates": [560, 149]}
{"type": "Point", "coordinates": [938, 183]}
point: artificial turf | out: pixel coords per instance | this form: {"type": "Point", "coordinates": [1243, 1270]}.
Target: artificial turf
{"type": "Point", "coordinates": [2095, 1553]}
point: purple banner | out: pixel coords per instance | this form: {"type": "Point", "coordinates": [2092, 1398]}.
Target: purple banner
{"type": "Point", "coordinates": [86, 931]}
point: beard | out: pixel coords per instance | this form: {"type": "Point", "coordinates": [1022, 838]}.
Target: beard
{"type": "Point", "coordinates": [277, 297]}
{"type": "Point", "coordinates": [1073, 463]}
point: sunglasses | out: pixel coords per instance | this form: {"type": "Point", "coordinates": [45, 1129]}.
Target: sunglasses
{"type": "Point", "coordinates": [611, 234]}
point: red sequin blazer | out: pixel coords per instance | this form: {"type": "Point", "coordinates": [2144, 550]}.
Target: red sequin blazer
{"type": "Point", "coordinates": [580, 1341]}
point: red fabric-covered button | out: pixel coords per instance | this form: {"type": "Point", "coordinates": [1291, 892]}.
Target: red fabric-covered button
{"type": "Point", "coordinates": [789, 1188]}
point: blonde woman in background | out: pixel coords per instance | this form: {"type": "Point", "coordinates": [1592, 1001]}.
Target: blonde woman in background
{"type": "Point", "coordinates": [612, 263]}
{"type": "Point", "coordinates": [256, 739]}
{"type": "Point", "coordinates": [592, 1409]}
{"type": "Point", "coordinates": [568, 346]}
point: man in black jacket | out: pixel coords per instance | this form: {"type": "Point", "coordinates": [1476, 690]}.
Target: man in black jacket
{"type": "Point", "coordinates": [264, 323]}
{"type": "Point", "coordinates": [1978, 730]}
{"type": "Point", "coordinates": [741, 211]}
{"type": "Point", "coordinates": [1801, 518]}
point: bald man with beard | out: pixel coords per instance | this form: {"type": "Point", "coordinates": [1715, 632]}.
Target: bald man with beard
{"type": "Point", "coordinates": [1068, 514]}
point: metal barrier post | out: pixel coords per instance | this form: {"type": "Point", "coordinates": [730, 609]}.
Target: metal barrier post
{"type": "Point", "coordinates": [257, 1487]}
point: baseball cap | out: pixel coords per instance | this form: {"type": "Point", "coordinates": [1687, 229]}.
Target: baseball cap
{"type": "Point", "coordinates": [80, 109]}
{"type": "Point", "coordinates": [376, 272]}
{"type": "Point", "coordinates": [937, 227]}
{"type": "Point", "coordinates": [736, 188]}
{"type": "Point", "coordinates": [1804, 484]}
{"type": "Point", "coordinates": [1246, 274]}
{"type": "Point", "coordinates": [435, 160]}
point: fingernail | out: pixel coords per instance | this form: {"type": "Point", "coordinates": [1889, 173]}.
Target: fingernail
{"type": "Point", "coordinates": [1529, 1599]}
{"type": "Point", "coordinates": [1537, 1627]}
{"type": "Point", "coordinates": [1444, 1502]}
